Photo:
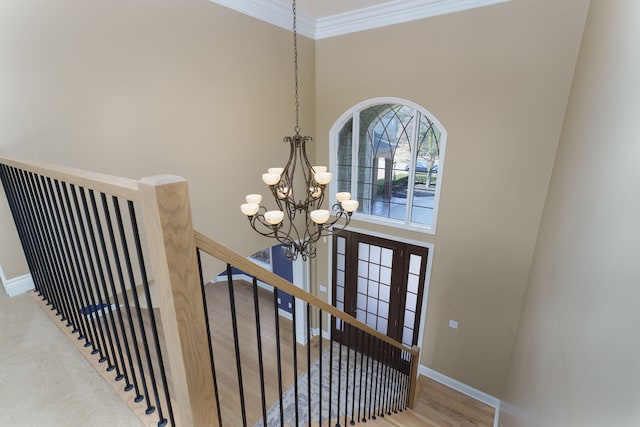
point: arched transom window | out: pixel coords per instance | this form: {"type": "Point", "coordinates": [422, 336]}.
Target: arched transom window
{"type": "Point", "coordinates": [389, 154]}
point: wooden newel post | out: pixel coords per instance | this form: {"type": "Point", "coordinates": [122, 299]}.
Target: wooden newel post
{"type": "Point", "coordinates": [167, 219]}
{"type": "Point", "coordinates": [415, 362]}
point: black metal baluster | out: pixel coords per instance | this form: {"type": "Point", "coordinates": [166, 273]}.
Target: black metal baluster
{"type": "Point", "coordinates": [107, 266]}
{"type": "Point", "coordinates": [87, 259]}
{"type": "Point", "coordinates": [36, 234]}
{"type": "Point", "coordinates": [295, 358]}
{"type": "Point", "coordinates": [331, 323]}
{"type": "Point", "coordinates": [45, 250]}
{"type": "Point", "coordinates": [25, 233]}
{"type": "Point", "coordinates": [278, 354]}
{"type": "Point", "coordinates": [125, 298]}
{"type": "Point", "coordinates": [121, 372]}
{"type": "Point", "coordinates": [380, 391]}
{"type": "Point", "coordinates": [309, 363]}
{"type": "Point", "coordinates": [53, 238]}
{"type": "Point", "coordinates": [355, 369]}
{"type": "Point", "coordinates": [367, 385]}
{"type": "Point", "coordinates": [256, 306]}
{"type": "Point", "coordinates": [407, 382]}
{"type": "Point", "coordinates": [236, 343]}
{"type": "Point", "coordinates": [339, 370]}
{"type": "Point", "coordinates": [152, 323]}
{"type": "Point", "coordinates": [62, 239]}
{"type": "Point", "coordinates": [95, 264]}
{"type": "Point", "coordinates": [132, 284]}
{"type": "Point", "coordinates": [209, 340]}
{"type": "Point", "coordinates": [347, 328]}
{"type": "Point", "coordinates": [361, 375]}
{"type": "Point", "coordinates": [387, 381]}
{"type": "Point", "coordinates": [320, 369]}
{"type": "Point", "coordinates": [394, 393]}
{"type": "Point", "coordinates": [79, 276]}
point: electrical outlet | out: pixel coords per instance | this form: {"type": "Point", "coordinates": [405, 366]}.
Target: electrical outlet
{"type": "Point", "coordinates": [323, 289]}
{"type": "Point", "coordinates": [453, 324]}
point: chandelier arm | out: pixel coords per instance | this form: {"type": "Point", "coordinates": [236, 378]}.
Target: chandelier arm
{"type": "Point", "coordinates": [272, 229]}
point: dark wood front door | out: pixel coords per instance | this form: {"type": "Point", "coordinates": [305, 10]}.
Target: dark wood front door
{"type": "Point", "coordinates": [380, 282]}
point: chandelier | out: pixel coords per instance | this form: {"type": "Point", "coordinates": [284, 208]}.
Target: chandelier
{"type": "Point", "coordinates": [298, 225]}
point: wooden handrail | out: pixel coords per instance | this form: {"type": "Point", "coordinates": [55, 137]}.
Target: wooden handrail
{"type": "Point", "coordinates": [228, 256]}
{"type": "Point", "coordinates": [113, 185]}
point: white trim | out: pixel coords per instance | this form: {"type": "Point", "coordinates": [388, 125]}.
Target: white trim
{"type": "Point", "coordinates": [18, 285]}
{"type": "Point", "coordinates": [333, 161]}
{"type": "Point", "coordinates": [461, 387]}
{"type": "Point", "coordinates": [273, 12]}
{"type": "Point", "coordinates": [392, 12]}
{"type": "Point", "coordinates": [389, 13]}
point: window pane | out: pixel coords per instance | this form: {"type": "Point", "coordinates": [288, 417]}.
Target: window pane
{"type": "Point", "coordinates": [385, 276]}
{"type": "Point", "coordinates": [362, 285]}
{"type": "Point", "coordinates": [340, 278]}
{"type": "Point", "coordinates": [341, 245]}
{"type": "Point", "coordinates": [407, 336]}
{"type": "Point", "coordinates": [412, 283]}
{"type": "Point", "coordinates": [363, 251]}
{"type": "Point", "coordinates": [409, 318]}
{"type": "Point", "coordinates": [385, 136]}
{"type": "Point", "coordinates": [426, 172]}
{"type": "Point", "coordinates": [414, 264]}
{"type": "Point", "coordinates": [387, 257]}
{"type": "Point", "coordinates": [345, 156]}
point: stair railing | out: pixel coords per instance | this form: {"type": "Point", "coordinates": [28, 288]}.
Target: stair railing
{"type": "Point", "coordinates": [88, 256]}
{"type": "Point", "coordinates": [367, 374]}
{"type": "Point", "coordinates": [147, 330]}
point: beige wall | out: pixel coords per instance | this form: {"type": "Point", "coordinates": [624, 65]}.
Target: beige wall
{"type": "Point", "coordinates": [575, 362]}
{"type": "Point", "coordinates": [498, 79]}
{"type": "Point", "coordinates": [143, 87]}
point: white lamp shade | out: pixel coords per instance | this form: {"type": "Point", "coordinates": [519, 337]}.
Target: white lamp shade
{"type": "Point", "coordinates": [274, 217]}
{"type": "Point", "coordinates": [249, 209]}
{"type": "Point", "coordinates": [342, 196]}
{"type": "Point", "coordinates": [320, 216]}
{"type": "Point", "coordinates": [276, 171]}
{"type": "Point", "coordinates": [283, 192]}
{"type": "Point", "coordinates": [254, 198]}
{"type": "Point", "coordinates": [270, 178]}
{"type": "Point", "coordinates": [350, 205]}
{"type": "Point", "coordinates": [323, 178]}
{"type": "Point", "coordinates": [315, 192]}
{"type": "Point", "coordinates": [319, 169]}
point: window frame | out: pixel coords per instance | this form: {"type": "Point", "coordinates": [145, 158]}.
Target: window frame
{"type": "Point", "coordinates": [354, 114]}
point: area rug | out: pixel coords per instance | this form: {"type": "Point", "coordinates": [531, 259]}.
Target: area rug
{"type": "Point", "coordinates": [363, 405]}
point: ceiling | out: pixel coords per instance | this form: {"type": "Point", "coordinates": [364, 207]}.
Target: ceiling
{"type": "Point", "coordinates": [320, 19]}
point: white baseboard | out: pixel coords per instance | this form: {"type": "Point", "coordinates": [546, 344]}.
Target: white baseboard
{"type": "Point", "coordinates": [18, 285]}
{"type": "Point", "coordinates": [464, 389]}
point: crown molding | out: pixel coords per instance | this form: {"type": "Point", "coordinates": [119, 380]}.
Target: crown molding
{"type": "Point", "coordinates": [392, 12]}
{"type": "Point", "coordinates": [272, 12]}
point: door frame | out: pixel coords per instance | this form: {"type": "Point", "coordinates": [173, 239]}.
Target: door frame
{"type": "Point", "coordinates": [427, 277]}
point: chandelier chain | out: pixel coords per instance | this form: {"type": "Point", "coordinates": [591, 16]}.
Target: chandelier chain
{"type": "Point", "coordinates": [295, 66]}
